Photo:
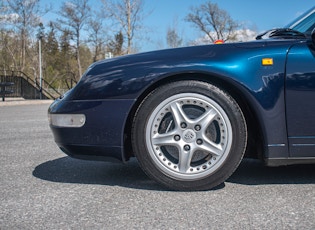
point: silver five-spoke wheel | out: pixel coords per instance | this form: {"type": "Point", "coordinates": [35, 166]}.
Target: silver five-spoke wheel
{"type": "Point", "coordinates": [188, 136]}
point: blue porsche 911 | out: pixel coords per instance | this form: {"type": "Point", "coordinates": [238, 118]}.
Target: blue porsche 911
{"type": "Point", "coordinates": [189, 115]}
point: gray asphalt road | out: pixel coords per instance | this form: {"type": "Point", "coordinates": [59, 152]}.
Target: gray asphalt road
{"type": "Point", "coordinates": [41, 188]}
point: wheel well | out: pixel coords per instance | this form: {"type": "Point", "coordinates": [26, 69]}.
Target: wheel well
{"type": "Point", "coordinates": [255, 138]}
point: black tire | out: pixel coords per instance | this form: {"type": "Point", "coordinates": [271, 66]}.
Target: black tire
{"type": "Point", "coordinates": [189, 135]}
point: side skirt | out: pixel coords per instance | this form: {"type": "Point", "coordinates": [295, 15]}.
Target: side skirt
{"type": "Point", "coordinates": [273, 162]}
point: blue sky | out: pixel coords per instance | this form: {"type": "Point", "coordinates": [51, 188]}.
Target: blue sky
{"type": "Point", "coordinates": [255, 15]}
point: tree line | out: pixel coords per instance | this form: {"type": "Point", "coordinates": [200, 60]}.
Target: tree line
{"type": "Point", "coordinates": [79, 34]}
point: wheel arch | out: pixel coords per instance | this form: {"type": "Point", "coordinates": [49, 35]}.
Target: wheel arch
{"type": "Point", "coordinates": [255, 136]}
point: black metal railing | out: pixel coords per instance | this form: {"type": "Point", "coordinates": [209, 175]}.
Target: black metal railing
{"type": "Point", "coordinates": [28, 88]}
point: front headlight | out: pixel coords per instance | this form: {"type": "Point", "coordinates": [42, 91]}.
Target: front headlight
{"type": "Point", "coordinates": [67, 120]}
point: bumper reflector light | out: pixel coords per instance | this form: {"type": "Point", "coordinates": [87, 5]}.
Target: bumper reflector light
{"type": "Point", "coordinates": [67, 120]}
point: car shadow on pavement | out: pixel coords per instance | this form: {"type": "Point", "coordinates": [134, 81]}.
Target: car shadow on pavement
{"type": "Point", "coordinates": [130, 175]}
{"type": "Point", "coordinates": [70, 170]}
{"type": "Point", "coordinates": [253, 172]}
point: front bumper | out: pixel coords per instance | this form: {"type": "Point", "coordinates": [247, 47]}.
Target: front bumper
{"type": "Point", "coordinates": [101, 135]}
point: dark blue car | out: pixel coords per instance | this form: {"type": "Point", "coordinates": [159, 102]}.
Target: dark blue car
{"type": "Point", "coordinates": [190, 115]}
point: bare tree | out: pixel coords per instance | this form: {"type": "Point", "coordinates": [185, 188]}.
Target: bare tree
{"type": "Point", "coordinates": [23, 16]}
{"type": "Point", "coordinates": [215, 22]}
{"type": "Point", "coordinates": [115, 45]}
{"type": "Point", "coordinates": [9, 50]}
{"type": "Point", "coordinates": [129, 14]}
{"type": "Point", "coordinates": [97, 35]}
{"type": "Point", "coordinates": [96, 38]}
{"type": "Point", "coordinates": [74, 17]}
{"type": "Point", "coordinates": [174, 40]}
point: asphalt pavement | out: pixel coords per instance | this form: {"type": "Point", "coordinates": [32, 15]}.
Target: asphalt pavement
{"type": "Point", "coordinates": [42, 188]}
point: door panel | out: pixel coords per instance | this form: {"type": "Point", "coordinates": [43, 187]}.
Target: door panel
{"type": "Point", "coordinates": [300, 100]}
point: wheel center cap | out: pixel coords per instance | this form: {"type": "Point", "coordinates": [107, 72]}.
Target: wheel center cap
{"type": "Point", "coordinates": [189, 135]}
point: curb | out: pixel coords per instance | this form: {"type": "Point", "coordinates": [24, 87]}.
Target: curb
{"type": "Point", "coordinates": [21, 101]}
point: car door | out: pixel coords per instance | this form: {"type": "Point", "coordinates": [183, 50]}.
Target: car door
{"type": "Point", "coordinates": [300, 99]}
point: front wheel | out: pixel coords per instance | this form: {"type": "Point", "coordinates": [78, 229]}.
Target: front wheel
{"type": "Point", "coordinates": [189, 135]}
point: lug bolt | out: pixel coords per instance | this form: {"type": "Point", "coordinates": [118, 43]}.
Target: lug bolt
{"type": "Point", "coordinates": [197, 127]}
{"type": "Point", "coordinates": [176, 137]}
{"type": "Point", "coordinates": [199, 141]}
{"type": "Point", "coordinates": [186, 147]}
{"type": "Point", "coordinates": [183, 125]}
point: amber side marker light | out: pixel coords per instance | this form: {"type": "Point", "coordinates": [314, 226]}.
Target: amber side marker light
{"type": "Point", "coordinates": [267, 61]}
